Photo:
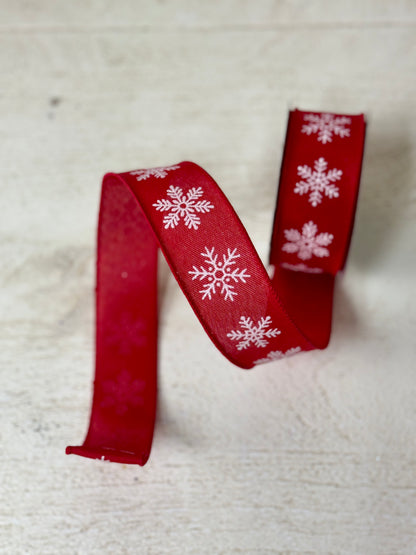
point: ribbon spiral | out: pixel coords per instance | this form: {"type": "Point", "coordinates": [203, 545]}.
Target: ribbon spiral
{"type": "Point", "coordinates": [250, 317]}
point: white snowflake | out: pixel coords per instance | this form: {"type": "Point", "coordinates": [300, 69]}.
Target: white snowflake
{"type": "Point", "coordinates": [308, 243]}
{"type": "Point", "coordinates": [277, 355]}
{"type": "Point", "coordinates": [159, 173]}
{"type": "Point", "coordinates": [183, 206]}
{"type": "Point", "coordinates": [257, 335]}
{"type": "Point", "coordinates": [326, 125]}
{"type": "Point", "coordinates": [301, 267]}
{"type": "Point", "coordinates": [318, 181]}
{"type": "Point", "coordinates": [219, 274]}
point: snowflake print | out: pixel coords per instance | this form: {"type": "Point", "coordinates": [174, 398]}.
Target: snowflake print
{"type": "Point", "coordinates": [183, 206]}
{"type": "Point", "coordinates": [318, 181]}
{"type": "Point", "coordinates": [308, 243]}
{"type": "Point", "coordinates": [326, 125]}
{"type": "Point", "coordinates": [251, 334]}
{"type": "Point", "coordinates": [219, 274]}
{"type": "Point", "coordinates": [277, 355]}
{"type": "Point", "coordinates": [159, 173]}
{"type": "Point", "coordinates": [301, 267]}
{"type": "Point", "coordinates": [122, 393]}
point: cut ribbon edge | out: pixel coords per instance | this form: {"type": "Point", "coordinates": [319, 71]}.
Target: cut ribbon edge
{"type": "Point", "coordinates": [250, 317]}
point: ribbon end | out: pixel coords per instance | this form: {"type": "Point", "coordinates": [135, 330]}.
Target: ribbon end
{"type": "Point", "coordinates": [111, 455]}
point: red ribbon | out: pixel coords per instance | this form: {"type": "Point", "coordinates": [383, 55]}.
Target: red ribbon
{"type": "Point", "coordinates": [251, 318]}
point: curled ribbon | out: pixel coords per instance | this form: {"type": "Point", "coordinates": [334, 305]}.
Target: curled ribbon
{"type": "Point", "coordinates": [250, 317]}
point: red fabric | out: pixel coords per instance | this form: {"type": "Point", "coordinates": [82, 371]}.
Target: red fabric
{"type": "Point", "coordinates": [251, 318]}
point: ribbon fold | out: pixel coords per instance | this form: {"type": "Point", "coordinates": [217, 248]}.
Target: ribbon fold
{"type": "Point", "coordinates": [251, 318]}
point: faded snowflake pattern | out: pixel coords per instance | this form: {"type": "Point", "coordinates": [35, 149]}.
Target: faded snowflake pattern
{"type": "Point", "coordinates": [318, 181]}
{"type": "Point", "coordinates": [122, 393]}
{"type": "Point", "coordinates": [277, 355]}
{"type": "Point", "coordinates": [249, 333]}
{"type": "Point", "coordinates": [301, 267]}
{"type": "Point", "coordinates": [128, 335]}
{"type": "Point", "coordinates": [159, 173]}
{"type": "Point", "coordinates": [309, 243]}
{"type": "Point", "coordinates": [326, 125]}
{"type": "Point", "coordinates": [179, 205]}
{"type": "Point", "coordinates": [219, 274]}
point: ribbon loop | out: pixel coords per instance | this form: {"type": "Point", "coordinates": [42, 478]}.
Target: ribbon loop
{"type": "Point", "coordinates": [251, 318]}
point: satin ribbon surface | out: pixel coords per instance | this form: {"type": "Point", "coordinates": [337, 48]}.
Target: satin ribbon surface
{"type": "Point", "coordinates": [250, 317]}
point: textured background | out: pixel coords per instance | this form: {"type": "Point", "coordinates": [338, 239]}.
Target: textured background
{"type": "Point", "coordinates": [315, 454]}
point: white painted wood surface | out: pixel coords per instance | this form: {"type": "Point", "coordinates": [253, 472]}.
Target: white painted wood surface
{"type": "Point", "coordinates": [315, 454]}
